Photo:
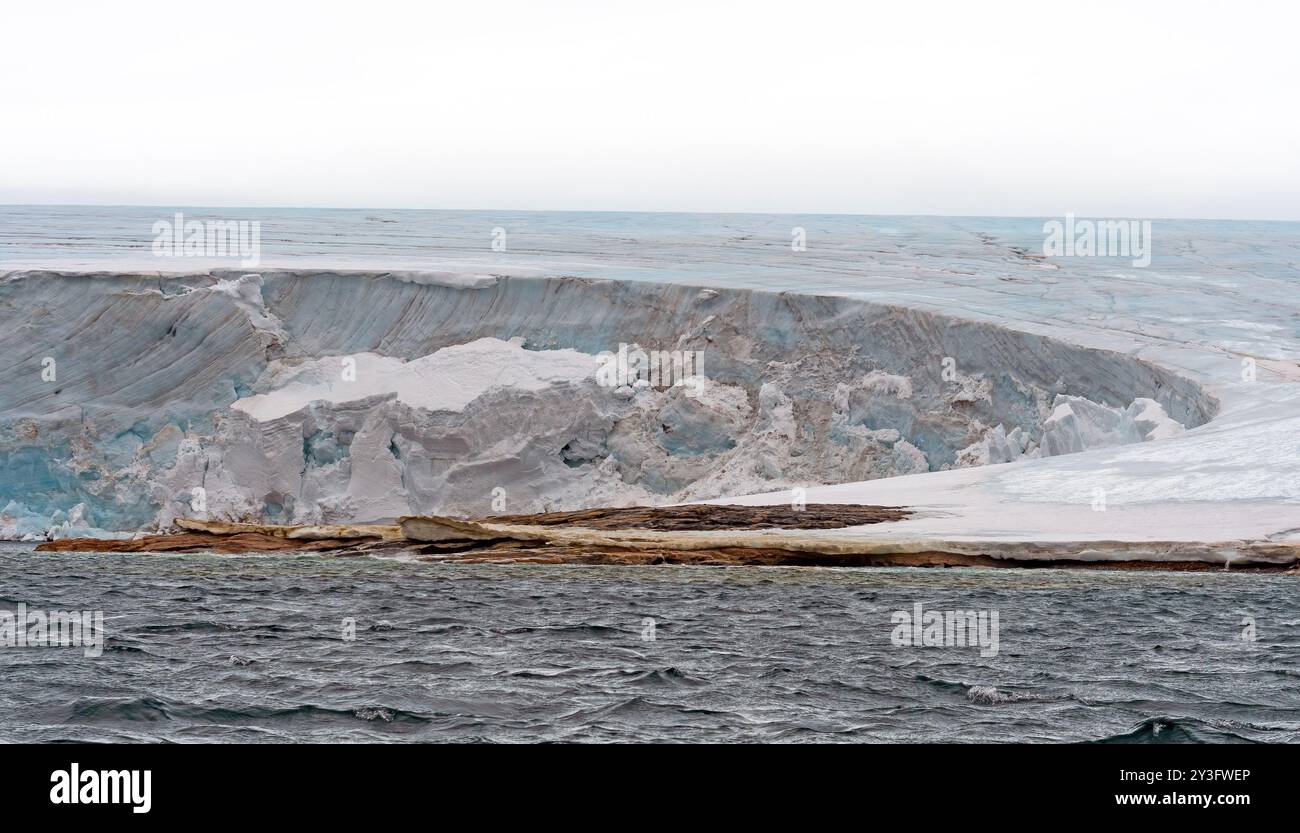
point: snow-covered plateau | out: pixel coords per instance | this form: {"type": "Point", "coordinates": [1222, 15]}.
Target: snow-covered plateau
{"type": "Point", "coordinates": [1019, 407]}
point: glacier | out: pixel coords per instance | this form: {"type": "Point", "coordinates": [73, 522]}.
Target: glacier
{"type": "Point", "coordinates": [1020, 406]}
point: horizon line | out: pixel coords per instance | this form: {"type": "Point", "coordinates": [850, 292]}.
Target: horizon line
{"type": "Point", "coordinates": [173, 207]}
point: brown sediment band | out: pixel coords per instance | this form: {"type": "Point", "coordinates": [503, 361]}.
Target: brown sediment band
{"type": "Point", "coordinates": [702, 535]}
{"type": "Point", "coordinates": [514, 553]}
{"type": "Point", "coordinates": [708, 517]}
{"type": "Point", "coordinates": [310, 531]}
{"type": "Point", "coordinates": [228, 543]}
{"type": "Point", "coordinates": [530, 534]}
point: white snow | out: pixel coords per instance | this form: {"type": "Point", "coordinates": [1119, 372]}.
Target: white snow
{"type": "Point", "coordinates": [446, 380]}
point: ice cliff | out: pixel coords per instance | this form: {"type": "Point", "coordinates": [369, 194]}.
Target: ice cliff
{"type": "Point", "coordinates": [329, 396]}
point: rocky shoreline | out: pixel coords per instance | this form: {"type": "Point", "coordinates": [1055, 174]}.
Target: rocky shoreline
{"type": "Point", "coordinates": [700, 535]}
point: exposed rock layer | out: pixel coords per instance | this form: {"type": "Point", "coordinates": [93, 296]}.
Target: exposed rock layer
{"type": "Point", "coordinates": [741, 535]}
{"type": "Point", "coordinates": [712, 517]}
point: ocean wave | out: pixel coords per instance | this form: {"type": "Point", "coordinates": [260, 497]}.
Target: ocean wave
{"type": "Point", "coordinates": [987, 695]}
{"type": "Point", "coordinates": [1174, 730]}
{"type": "Point", "coordinates": [557, 655]}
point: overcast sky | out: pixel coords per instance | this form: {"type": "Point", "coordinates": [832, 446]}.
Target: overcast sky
{"type": "Point", "coordinates": [1145, 109]}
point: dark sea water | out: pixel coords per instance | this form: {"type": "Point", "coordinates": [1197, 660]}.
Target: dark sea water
{"type": "Point", "coordinates": [220, 648]}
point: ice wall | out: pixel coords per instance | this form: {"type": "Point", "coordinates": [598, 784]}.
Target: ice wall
{"type": "Point", "coordinates": [472, 394]}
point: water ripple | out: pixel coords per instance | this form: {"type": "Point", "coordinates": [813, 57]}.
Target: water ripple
{"type": "Point", "coordinates": [214, 648]}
